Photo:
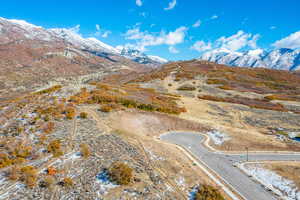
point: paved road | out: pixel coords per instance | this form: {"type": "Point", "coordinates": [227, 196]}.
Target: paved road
{"type": "Point", "coordinates": [222, 164]}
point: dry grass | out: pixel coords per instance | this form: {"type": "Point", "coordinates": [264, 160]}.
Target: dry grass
{"type": "Point", "coordinates": [252, 103]}
{"type": "Point", "coordinates": [258, 80]}
{"type": "Point", "coordinates": [288, 170]}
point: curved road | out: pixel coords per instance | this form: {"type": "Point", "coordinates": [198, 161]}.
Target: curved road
{"type": "Point", "coordinates": [222, 163]}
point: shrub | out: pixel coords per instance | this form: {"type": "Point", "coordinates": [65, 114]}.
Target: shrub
{"type": "Point", "coordinates": [225, 87]}
{"type": "Point", "coordinates": [85, 150]}
{"type": "Point", "coordinates": [54, 147]}
{"type": "Point", "coordinates": [51, 171]}
{"type": "Point", "coordinates": [68, 182]}
{"type": "Point", "coordinates": [49, 127]}
{"type": "Point", "coordinates": [282, 97]}
{"type": "Point", "coordinates": [70, 112]}
{"type": "Point", "coordinates": [216, 82]}
{"type": "Point", "coordinates": [207, 192]}
{"type": "Point", "coordinates": [187, 87]}
{"type": "Point", "coordinates": [106, 108]}
{"type": "Point", "coordinates": [48, 182]}
{"type": "Point", "coordinates": [49, 90]}
{"type": "Point", "coordinates": [83, 115]}
{"type": "Point", "coordinates": [29, 175]}
{"type": "Point", "coordinates": [14, 173]}
{"type": "Point", "coordinates": [120, 173]}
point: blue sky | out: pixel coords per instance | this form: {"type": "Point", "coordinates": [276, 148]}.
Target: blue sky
{"type": "Point", "coordinates": [169, 28]}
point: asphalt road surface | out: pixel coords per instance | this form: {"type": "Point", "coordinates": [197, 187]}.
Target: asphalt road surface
{"type": "Point", "coordinates": [222, 163]}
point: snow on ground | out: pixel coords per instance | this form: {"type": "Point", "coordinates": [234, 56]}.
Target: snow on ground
{"type": "Point", "coordinates": [192, 194]}
{"type": "Point", "coordinates": [284, 188]}
{"type": "Point", "coordinates": [180, 181]}
{"type": "Point", "coordinates": [103, 183]}
{"type": "Point", "coordinates": [154, 156]}
{"type": "Point", "coordinates": [217, 137]}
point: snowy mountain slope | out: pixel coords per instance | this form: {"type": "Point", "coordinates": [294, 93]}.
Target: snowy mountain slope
{"type": "Point", "coordinates": [83, 43]}
{"type": "Point", "coordinates": [282, 59]}
{"type": "Point", "coordinates": [12, 30]}
{"type": "Point", "coordinates": [140, 57]}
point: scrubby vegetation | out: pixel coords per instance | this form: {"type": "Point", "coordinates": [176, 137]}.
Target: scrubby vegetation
{"type": "Point", "coordinates": [120, 173]}
{"type": "Point", "coordinates": [68, 182]}
{"type": "Point", "coordinates": [55, 148]}
{"type": "Point", "coordinates": [130, 96]}
{"type": "Point", "coordinates": [258, 80]}
{"type": "Point", "coordinates": [85, 150]}
{"type": "Point", "coordinates": [283, 97]}
{"type": "Point", "coordinates": [207, 192]}
{"type": "Point", "coordinates": [187, 87]}
{"type": "Point", "coordinates": [49, 90]}
{"type": "Point", "coordinates": [252, 103]}
{"type": "Point", "coordinates": [28, 175]}
{"type": "Point", "coordinates": [83, 115]}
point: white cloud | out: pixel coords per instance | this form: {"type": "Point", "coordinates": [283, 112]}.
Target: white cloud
{"type": "Point", "coordinates": [171, 5]}
{"type": "Point", "coordinates": [201, 46]}
{"type": "Point", "coordinates": [292, 41]}
{"type": "Point", "coordinates": [139, 3]}
{"type": "Point", "coordinates": [97, 27]}
{"type": "Point", "coordinates": [197, 23]}
{"type": "Point", "coordinates": [75, 29]}
{"type": "Point", "coordinates": [144, 38]}
{"type": "Point", "coordinates": [214, 17]}
{"type": "Point", "coordinates": [106, 34]}
{"type": "Point", "coordinates": [238, 41]}
{"type": "Point", "coordinates": [173, 50]}
{"type": "Point", "coordinates": [235, 42]}
{"type": "Point", "coordinates": [101, 33]}
{"type": "Point", "coordinates": [272, 27]}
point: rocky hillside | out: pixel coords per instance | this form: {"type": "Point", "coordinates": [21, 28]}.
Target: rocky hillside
{"type": "Point", "coordinates": [31, 55]}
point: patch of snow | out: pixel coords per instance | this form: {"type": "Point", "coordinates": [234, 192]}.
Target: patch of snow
{"type": "Point", "coordinates": [192, 194]}
{"type": "Point", "coordinates": [154, 156]}
{"type": "Point", "coordinates": [158, 59]}
{"type": "Point", "coordinates": [180, 181]}
{"type": "Point", "coordinates": [282, 187]}
{"type": "Point", "coordinates": [103, 183]}
{"type": "Point", "coordinates": [217, 137]}
{"type": "Point", "coordinates": [292, 135]}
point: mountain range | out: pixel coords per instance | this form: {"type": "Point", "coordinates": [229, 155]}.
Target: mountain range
{"type": "Point", "coordinates": [281, 59]}
{"type": "Point", "coordinates": [32, 56]}
{"type": "Point", "coordinates": [92, 45]}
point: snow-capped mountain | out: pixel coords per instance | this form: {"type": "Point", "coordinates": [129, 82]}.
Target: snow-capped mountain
{"type": "Point", "coordinates": [16, 30]}
{"type": "Point", "coordinates": [282, 59]}
{"type": "Point", "coordinates": [75, 39]}
{"type": "Point", "coordinates": [140, 57]}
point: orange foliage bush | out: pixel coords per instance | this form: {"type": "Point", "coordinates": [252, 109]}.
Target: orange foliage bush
{"type": "Point", "coordinates": [29, 175]}
{"type": "Point", "coordinates": [120, 173]}
{"type": "Point", "coordinates": [70, 112]}
{"type": "Point", "coordinates": [55, 148]}
{"type": "Point", "coordinates": [51, 171]}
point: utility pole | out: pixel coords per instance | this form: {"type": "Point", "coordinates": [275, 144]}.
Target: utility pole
{"type": "Point", "coordinates": [247, 155]}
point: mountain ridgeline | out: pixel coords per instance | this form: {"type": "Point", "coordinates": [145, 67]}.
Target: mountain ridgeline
{"type": "Point", "coordinates": [281, 59]}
